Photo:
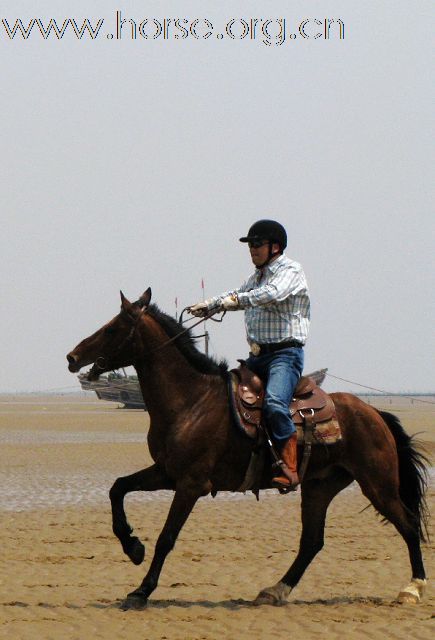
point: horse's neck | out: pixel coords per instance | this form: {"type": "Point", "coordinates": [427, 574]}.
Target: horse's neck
{"type": "Point", "coordinates": [169, 384]}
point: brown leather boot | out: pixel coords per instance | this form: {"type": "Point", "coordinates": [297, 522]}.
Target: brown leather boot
{"type": "Point", "coordinates": [288, 480]}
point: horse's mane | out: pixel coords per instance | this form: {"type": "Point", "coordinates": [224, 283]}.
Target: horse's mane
{"type": "Point", "coordinates": [186, 344]}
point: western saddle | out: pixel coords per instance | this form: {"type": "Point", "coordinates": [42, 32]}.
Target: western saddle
{"type": "Point", "coordinates": [312, 411]}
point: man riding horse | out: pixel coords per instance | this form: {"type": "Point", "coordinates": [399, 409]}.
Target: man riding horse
{"type": "Point", "coordinates": [191, 436]}
{"type": "Point", "coordinates": [276, 303]}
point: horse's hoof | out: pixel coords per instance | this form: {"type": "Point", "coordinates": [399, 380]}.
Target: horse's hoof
{"type": "Point", "coordinates": [407, 598]}
{"type": "Point", "coordinates": [413, 593]}
{"type": "Point", "coordinates": [135, 550]}
{"type": "Point", "coordinates": [134, 601]}
{"type": "Point", "coordinates": [266, 598]}
{"type": "Point", "coordinates": [275, 596]}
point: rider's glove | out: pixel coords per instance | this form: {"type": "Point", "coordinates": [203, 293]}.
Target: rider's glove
{"type": "Point", "coordinates": [199, 310]}
{"type": "Point", "coordinates": [231, 302]}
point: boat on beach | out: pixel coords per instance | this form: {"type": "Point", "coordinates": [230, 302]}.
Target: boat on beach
{"type": "Point", "coordinates": [117, 386]}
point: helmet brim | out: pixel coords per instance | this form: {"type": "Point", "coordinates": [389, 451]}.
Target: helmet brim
{"type": "Point", "coordinates": [251, 239]}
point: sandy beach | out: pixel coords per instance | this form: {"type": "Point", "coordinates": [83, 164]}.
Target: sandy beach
{"type": "Point", "coordinates": [63, 573]}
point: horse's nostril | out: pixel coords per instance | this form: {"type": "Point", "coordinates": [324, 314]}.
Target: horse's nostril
{"type": "Point", "coordinates": [71, 358]}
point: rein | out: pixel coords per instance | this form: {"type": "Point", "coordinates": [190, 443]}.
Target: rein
{"type": "Point", "coordinates": [207, 317]}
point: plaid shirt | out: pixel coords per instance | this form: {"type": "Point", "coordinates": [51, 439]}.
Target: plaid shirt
{"type": "Point", "coordinates": [276, 302]}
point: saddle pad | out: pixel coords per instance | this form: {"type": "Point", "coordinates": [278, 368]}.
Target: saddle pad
{"type": "Point", "coordinates": [328, 432]}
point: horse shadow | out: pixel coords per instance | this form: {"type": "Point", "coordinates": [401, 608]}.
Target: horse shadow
{"type": "Point", "coordinates": [234, 604]}
{"type": "Point", "coordinates": [231, 604]}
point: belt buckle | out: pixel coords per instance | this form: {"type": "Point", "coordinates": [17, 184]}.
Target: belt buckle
{"type": "Point", "coordinates": [255, 349]}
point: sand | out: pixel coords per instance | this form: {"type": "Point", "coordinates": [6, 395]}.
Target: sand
{"type": "Point", "coordinates": [63, 573]}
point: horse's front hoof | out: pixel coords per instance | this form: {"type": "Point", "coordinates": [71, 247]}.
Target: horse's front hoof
{"type": "Point", "coordinates": [135, 550]}
{"type": "Point", "coordinates": [266, 598]}
{"type": "Point", "coordinates": [135, 600]}
{"type": "Point", "coordinates": [275, 596]}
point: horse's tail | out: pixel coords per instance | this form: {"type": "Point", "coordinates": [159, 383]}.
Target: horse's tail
{"type": "Point", "coordinates": [413, 474]}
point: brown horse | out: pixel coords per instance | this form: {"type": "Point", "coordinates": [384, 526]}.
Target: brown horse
{"type": "Point", "coordinates": [197, 450]}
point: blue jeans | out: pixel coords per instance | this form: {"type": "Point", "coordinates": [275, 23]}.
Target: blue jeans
{"type": "Point", "coordinates": [280, 372]}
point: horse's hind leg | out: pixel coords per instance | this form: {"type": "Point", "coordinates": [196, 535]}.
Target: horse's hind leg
{"type": "Point", "coordinates": [150, 479]}
{"type": "Point", "coordinates": [384, 495]}
{"type": "Point", "coordinates": [316, 497]}
{"type": "Point", "coordinates": [181, 507]}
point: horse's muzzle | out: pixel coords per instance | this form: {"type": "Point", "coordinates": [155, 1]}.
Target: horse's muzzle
{"type": "Point", "coordinates": [73, 363]}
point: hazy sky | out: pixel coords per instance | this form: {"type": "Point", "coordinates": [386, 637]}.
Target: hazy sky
{"type": "Point", "coordinates": [128, 163]}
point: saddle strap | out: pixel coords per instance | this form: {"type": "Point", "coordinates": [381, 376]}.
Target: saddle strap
{"type": "Point", "coordinates": [254, 472]}
{"type": "Point", "coordinates": [308, 427]}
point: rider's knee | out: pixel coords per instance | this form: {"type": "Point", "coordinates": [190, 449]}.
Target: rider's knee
{"type": "Point", "coordinates": [274, 408]}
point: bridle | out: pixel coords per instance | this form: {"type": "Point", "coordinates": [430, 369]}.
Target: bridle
{"type": "Point", "coordinates": [100, 363]}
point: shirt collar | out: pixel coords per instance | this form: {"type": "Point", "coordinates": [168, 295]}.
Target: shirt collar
{"type": "Point", "coordinates": [272, 266]}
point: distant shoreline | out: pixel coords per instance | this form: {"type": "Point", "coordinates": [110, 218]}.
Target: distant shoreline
{"type": "Point", "coordinates": [81, 393]}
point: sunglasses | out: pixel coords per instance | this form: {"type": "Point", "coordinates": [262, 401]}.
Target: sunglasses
{"type": "Point", "coordinates": [256, 244]}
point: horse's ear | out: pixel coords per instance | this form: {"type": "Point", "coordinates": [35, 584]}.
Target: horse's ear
{"type": "Point", "coordinates": [125, 304]}
{"type": "Point", "coordinates": [145, 298]}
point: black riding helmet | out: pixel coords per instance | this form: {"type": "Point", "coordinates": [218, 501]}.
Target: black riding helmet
{"type": "Point", "coordinates": [269, 230]}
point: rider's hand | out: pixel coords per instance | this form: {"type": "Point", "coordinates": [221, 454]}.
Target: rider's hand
{"type": "Point", "coordinates": [199, 310]}
{"type": "Point", "coordinates": [230, 303]}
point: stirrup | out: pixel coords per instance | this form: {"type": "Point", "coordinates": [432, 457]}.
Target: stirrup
{"type": "Point", "coordinates": [284, 491]}
{"type": "Point", "coordinates": [284, 488]}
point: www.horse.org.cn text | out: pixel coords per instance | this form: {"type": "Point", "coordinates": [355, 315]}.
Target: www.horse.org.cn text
{"type": "Point", "coordinates": [268, 31]}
